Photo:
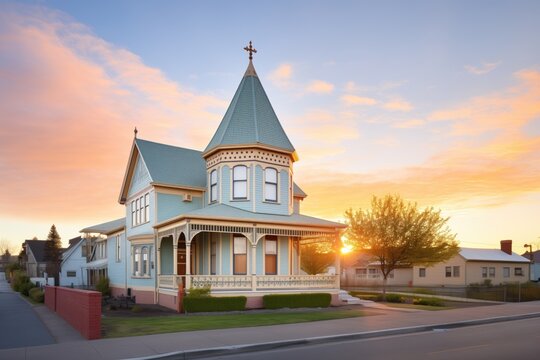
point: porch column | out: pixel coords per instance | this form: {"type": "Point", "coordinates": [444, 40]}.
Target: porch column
{"type": "Point", "coordinates": [175, 258]}
{"type": "Point", "coordinates": [188, 265]}
{"type": "Point", "coordinates": [338, 260]}
{"type": "Point", "coordinates": [253, 267]}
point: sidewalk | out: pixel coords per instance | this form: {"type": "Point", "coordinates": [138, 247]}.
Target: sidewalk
{"type": "Point", "coordinates": [153, 345]}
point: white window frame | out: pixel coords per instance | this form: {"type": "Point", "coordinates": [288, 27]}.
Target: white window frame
{"type": "Point", "coordinates": [506, 272]}
{"type": "Point", "coordinates": [422, 272]}
{"type": "Point", "coordinates": [484, 272]}
{"type": "Point", "coordinates": [268, 184]}
{"type": "Point", "coordinates": [456, 271]}
{"type": "Point", "coordinates": [140, 210]}
{"type": "Point", "coordinates": [448, 271]}
{"type": "Point", "coordinates": [235, 180]}
{"type": "Point", "coordinates": [141, 266]}
{"type": "Point", "coordinates": [213, 186]}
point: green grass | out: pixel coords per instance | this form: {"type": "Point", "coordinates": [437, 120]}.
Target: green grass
{"type": "Point", "coordinates": [134, 326]}
{"type": "Point", "coordinates": [417, 307]}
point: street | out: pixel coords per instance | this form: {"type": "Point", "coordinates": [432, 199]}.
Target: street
{"type": "Point", "coordinates": [494, 341]}
{"type": "Point", "coordinates": [20, 324]}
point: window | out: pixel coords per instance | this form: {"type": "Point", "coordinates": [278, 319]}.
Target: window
{"type": "Point", "coordinates": [484, 272]}
{"type": "Point", "coordinates": [213, 186]}
{"type": "Point", "coordinates": [448, 271]}
{"type": "Point", "coordinates": [270, 255]}
{"type": "Point", "coordinates": [213, 252]}
{"type": "Point", "coordinates": [140, 210]}
{"type": "Point", "coordinates": [270, 184]}
{"type": "Point", "coordinates": [240, 182]}
{"type": "Point", "coordinates": [506, 272]}
{"type": "Point", "coordinates": [456, 271]}
{"type": "Point", "coordinates": [117, 248]}
{"type": "Point", "coordinates": [491, 272]}
{"type": "Point", "coordinates": [422, 272]}
{"type": "Point", "coordinates": [71, 274]}
{"type": "Point", "coordinates": [141, 261]}
{"type": "Point", "coordinates": [240, 255]}
{"type": "Point", "coordinates": [361, 272]}
{"type": "Point", "coordinates": [518, 271]}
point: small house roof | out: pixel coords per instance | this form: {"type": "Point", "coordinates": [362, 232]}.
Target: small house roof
{"type": "Point", "coordinates": [37, 247]}
{"type": "Point", "coordinates": [298, 192]}
{"type": "Point", "coordinates": [106, 227]}
{"type": "Point", "coordinates": [472, 254]}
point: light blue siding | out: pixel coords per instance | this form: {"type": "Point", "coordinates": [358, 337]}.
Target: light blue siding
{"type": "Point", "coordinates": [170, 205]}
{"type": "Point", "coordinates": [260, 257]}
{"type": "Point", "coordinates": [141, 178]}
{"type": "Point", "coordinates": [282, 207]}
{"type": "Point", "coordinates": [116, 270]}
{"type": "Point", "coordinates": [296, 206]}
{"type": "Point", "coordinates": [226, 254]}
{"type": "Point", "coordinates": [167, 256]}
{"type": "Point", "coordinates": [283, 249]}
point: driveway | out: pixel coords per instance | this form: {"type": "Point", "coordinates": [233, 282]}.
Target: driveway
{"type": "Point", "coordinates": [20, 324]}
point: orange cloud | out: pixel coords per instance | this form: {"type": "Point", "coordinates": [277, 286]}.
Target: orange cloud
{"type": "Point", "coordinates": [281, 77]}
{"type": "Point", "coordinates": [358, 100]}
{"type": "Point", "coordinates": [68, 105]}
{"type": "Point", "coordinates": [398, 105]}
{"type": "Point", "coordinates": [407, 124]}
{"type": "Point", "coordinates": [320, 87]}
{"type": "Point", "coordinates": [482, 69]}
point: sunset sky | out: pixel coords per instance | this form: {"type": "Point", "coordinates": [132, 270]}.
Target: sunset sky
{"type": "Point", "coordinates": [438, 101]}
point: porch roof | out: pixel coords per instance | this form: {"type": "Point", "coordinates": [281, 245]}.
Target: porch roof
{"type": "Point", "coordinates": [106, 227]}
{"type": "Point", "coordinates": [229, 213]}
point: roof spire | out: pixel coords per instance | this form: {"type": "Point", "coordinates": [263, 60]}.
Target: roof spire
{"type": "Point", "coordinates": [135, 131]}
{"type": "Point", "coordinates": [251, 50]}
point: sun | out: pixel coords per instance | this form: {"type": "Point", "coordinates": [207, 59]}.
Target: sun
{"type": "Point", "coordinates": [346, 249]}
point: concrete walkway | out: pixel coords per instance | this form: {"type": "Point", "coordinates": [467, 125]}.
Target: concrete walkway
{"type": "Point", "coordinates": [159, 345]}
{"type": "Point", "coordinates": [21, 326]}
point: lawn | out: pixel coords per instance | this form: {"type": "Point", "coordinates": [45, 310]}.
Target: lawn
{"type": "Point", "coordinates": [133, 326]}
{"type": "Point", "coordinates": [417, 307]}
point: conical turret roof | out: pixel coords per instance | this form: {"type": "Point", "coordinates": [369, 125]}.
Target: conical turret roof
{"type": "Point", "coordinates": [250, 119]}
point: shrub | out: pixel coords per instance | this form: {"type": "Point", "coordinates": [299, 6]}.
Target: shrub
{"type": "Point", "coordinates": [199, 292]}
{"type": "Point", "coordinates": [103, 286]}
{"type": "Point", "coordinates": [428, 301]}
{"type": "Point", "coordinates": [19, 278]}
{"type": "Point", "coordinates": [137, 309]}
{"type": "Point", "coordinates": [37, 294]}
{"type": "Point", "coordinates": [210, 304]}
{"type": "Point", "coordinates": [394, 298]}
{"type": "Point", "coordinates": [314, 300]}
{"type": "Point", "coordinates": [25, 288]}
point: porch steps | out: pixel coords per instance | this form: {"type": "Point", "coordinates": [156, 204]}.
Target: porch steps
{"type": "Point", "coordinates": [350, 300]}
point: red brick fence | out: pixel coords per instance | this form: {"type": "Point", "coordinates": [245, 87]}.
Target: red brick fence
{"type": "Point", "coordinates": [80, 308]}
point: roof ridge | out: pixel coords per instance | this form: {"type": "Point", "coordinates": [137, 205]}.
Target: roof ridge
{"type": "Point", "coordinates": [168, 145]}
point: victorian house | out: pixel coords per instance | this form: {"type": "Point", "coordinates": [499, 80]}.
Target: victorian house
{"type": "Point", "coordinates": [227, 218]}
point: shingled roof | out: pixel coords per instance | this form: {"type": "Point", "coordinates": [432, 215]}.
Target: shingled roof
{"type": "Point", "coordinates": [250, 119]}
{"type": "Point", "coordinates": [37, 247]}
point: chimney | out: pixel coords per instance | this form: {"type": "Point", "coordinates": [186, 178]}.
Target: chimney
{"type": "Point", "coordinates": [506, 246]}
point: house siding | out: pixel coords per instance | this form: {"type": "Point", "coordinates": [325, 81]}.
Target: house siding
{"type": "Point", "coordinates": [170, 205]}
{"type": "Point", "coordinates": [141, 178]}
{"type": "Point", "coordinates": [117, 270]}
{"type": "Point", "coordinates": [282, 206]}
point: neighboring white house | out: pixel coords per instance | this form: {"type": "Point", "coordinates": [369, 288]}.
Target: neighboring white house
{"type": "Point", "coordinates": [476, 266]}
{"type": "Point", "coordinates": [73, 264]}
{"type": "Point", "coordinates": [535, 264]}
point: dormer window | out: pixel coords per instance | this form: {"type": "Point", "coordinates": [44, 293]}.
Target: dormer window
{"type": "Point", "coordinates": [270, 184]}
{"type": "Point", "coordinates": [213, 186]}
{"type": "Point", "coordinates": [239, 182]}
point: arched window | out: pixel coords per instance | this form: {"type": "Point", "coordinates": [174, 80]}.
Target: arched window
{"type": "Point", "coordinates": [136, 261]}
{"type": "Point", "coordinates": [240, 182]}
{"type": "Point", "coordinates": [270, 184]}
{"type": "Point", "coordinates": [145, 264]}
{"type": "Point", "coordinates": [213, 186]}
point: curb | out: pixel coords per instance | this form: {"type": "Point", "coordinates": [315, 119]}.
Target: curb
{"type": "Point", "coordinates": [247, 348]}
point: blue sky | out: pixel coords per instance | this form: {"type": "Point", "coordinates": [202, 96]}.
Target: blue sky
{"type": "Point", "coordinates": [435, 100]}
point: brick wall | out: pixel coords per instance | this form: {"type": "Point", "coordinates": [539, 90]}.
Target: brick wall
{"type": "Point", "coordinates": [80, 308]}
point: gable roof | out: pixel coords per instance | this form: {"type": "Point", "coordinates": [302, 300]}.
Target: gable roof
{"type": "Point", "coordinates": [106, 227]}
{"type": "Point", "coordinates": [74, 244]}
{"type": "Point", "coordinates": [167, 165]}
{"type": "Point", "coordinates": [472, 254]}
{"type": "Point", "coordinates": [297, 192]}
{"type": "Point", "coordinates": [226, 212]}
{"type": "Point", "coordinates": [37, 247]}
{"type": "Point", "coordinates": [250, 119]}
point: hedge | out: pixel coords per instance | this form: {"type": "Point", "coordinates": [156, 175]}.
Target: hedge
{"type": "Point", "coordinates": [314, 300]}
{"type": "Point", "coordinates": [428, 301]}
{"type": "Point", "coordinates": [210, 304]}
{"type": "Point", "coordinates": [36, 294]}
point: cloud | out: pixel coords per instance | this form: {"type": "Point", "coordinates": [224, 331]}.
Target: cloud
{"type": "Point", "coordinates": [482, 69]}
{"type": "Point", "coordinates": [496, 167]}
{"type": "Point", "coordinates": [281, 77]}
{"type": "Point", "coordinates": [320, 87]}
{"type": "Point", "coordinates": [398, 105]}
{"type": "Point", "coordinates": [68, 104]}
{"type": "Point", "coordinates": [407, 124]}
{"type": "Point", "coordinates": [352, 100]}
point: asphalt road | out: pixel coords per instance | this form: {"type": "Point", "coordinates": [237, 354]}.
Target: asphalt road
{"type": "Point", "coordinates": [19, 324]}
{"type": "Point", "coordinates": [506, 340]}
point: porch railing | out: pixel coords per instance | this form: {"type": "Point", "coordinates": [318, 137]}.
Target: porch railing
{"type": "Point", "coordinates": [252, 282]}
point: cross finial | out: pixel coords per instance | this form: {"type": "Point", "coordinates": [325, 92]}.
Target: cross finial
{"type": "Point", "coordinates": [251, 50]}
{"type": "Point", "coordinates": [135, 131]}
